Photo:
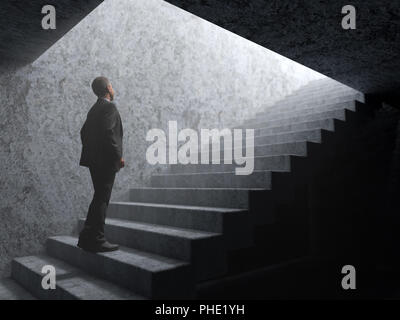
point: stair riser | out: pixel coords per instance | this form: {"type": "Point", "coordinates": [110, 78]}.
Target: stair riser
{"type": "Point", "coordinates": [223, 198]}
{"type": "Point", "coordinates": [326, 124]}
{"type": "Point", "coordinates": [307, 113]}
{"type": "Point", "coordinates": [322, 90]}
{"type": "Point", "coordinates": [266, 124]}
{"type": "Point", "coordinates": [277, 149]}
{"type": "Point", "coordinates": [228, 223]}
{"type": "Point", "coordinates": [32, 281]}
{"type": "Point", "coordinates": [173, 247]}
{"type": "Point", "coordinates": [212, 180]}
{"type": "Point", "coordinates": [307, 135]}
{"type": "Point", "coordinates": [165, 245]}
{"type": "Point", "coordinates": [141, 281]}
{"type": "Point", "coordinates": [211, 221]}
{"type": "Point", "coordinates": [280, 163]}
{"type": "Point", "coordinates": [318, 93]}
{"type": "Point", "coordinates": [322, 85]}
{"type": "Point", "coordinates": [257, 201]}
{"type": "Point", "coordinates": [11, 290]}
{"type": "Point", "coordinates": [299, 103]}
{"type": "Point", "coordinates": [294, 105]}
{"type": "Point", "coordinates": [335, 93]}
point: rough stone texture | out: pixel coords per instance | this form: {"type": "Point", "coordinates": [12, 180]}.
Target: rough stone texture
{"type": "Point", "coordinates": [165, 64]}
{"type": "Point", "coordinates": [22, 38]}
{"type": "Point", "coordinates": [310, 33]}
{"type": "Point", "coordinates": [10, 290]}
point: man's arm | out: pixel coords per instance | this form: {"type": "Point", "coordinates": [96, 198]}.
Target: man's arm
{"type": "Point", "coordinates": [112, 135]}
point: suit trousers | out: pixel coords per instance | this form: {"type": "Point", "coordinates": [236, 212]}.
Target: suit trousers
{"type": "Point", "coordinates": [93, 231]}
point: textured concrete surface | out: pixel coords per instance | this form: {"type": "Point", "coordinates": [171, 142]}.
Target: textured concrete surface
{"type": "Point", "coordinates": [165, 64]}
{"type": "Point", "coordinates": [146, 274]}
{"type": "Point", "coordinates": [11, 290]}
{"type": "Point", "coordinates": [310, 33]}
{"type": "Point", "coordinates": [325, 207]}
{"type": "Point", "coordinates": [214, 197]}
{"type": "Point", "coordinates": [190, 217]}
{"type": "Point", "coordinates": [71, 284]}
{"type": "Point", "coordinates": [22, 38]}
{"type": "Point", "coordinates": [188, 245]}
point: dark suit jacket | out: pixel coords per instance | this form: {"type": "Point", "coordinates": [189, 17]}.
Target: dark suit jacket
{"type": "Point", "coordinates": [101, 137]}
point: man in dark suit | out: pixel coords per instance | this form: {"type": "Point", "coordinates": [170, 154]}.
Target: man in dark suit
{"type": "Point", "coordinates": [101, 137]}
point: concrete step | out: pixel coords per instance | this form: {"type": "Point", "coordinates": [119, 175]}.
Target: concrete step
{"type": "Point", "coordinates": [258, 179]}
{"type": "Point", "coordinates": [308, 111]}
{"type": "Point", "coordinates": [321, 88]}
{"type": "Point", "coordinates": [71, 283]}
{"type": "Point", "coordinates": [339, 114]}
{"type": "Point", "coordinates": [211, 219]}
{"type": "Point", "coordinates": [313, 135]}
{"type": "Point", "coordinates": [11, 290]}
{"type": "Point", "coordinates": [315, 94]}
{"type": "Point", "coordinates": [286, 137]}
{"type": "Point", "coordinates": [196, 247]}
{"type": "Point", "coordinates": [327, 124]}
{"type": "Point", "coordinates": [213, 197]}
{"type": "Point", "coordinates": [297, 103]}
{"type": "Point", "coordinates": [271, 163]}
{"type": "Point", "coordinates": [234, 224]}
{"type": "Point", "coordinates": [298, 148]}
{"type": "Point", "coordinates": [149, 275]}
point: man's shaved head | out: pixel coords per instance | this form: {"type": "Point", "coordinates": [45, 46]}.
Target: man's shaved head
{"type": "Point", "coordinates": [99, 86]}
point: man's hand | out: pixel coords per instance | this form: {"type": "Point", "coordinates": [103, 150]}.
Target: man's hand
{"type": "Point", "coordinates": [122, 163]}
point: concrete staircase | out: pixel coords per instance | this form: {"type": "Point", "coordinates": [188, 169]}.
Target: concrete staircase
{"type": "Point", "coordinates": [200, 223]}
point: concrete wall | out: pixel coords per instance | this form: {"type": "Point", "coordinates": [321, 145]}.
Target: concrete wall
{"type": "Point", "coordinates": [164, 63]}
{"type": "Point", "coordinates": [310, 32]}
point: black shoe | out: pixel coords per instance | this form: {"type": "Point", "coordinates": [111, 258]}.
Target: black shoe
{"type": "Point", "coordinates": [101, 247]}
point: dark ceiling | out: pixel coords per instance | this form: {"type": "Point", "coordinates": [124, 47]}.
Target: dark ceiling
{"type": "Point", "coordinates": [310, 32]}
{"type": "Point", "coordinates": [307, 31]}
{"type": "Point", "coordinates": [22, 38]}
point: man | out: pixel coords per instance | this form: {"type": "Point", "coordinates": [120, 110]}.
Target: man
{"type": "Point", "coordinates": [101, 137]}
